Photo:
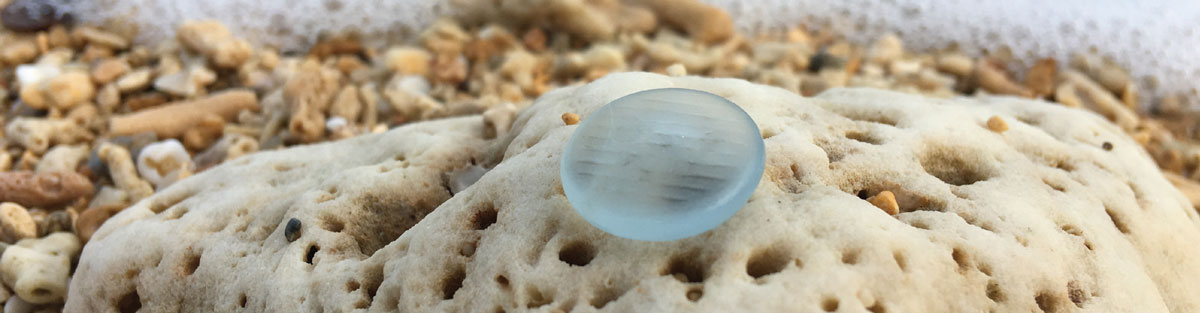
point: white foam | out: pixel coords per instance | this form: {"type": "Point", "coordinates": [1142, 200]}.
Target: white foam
{"type": "Point", "coordinates": [1157, 38]}
{"type": "Point", "coordinates": [286, 24]}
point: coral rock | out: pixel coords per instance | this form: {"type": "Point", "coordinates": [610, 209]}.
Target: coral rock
{"type": "Point", "coordinates": [1039, 217]}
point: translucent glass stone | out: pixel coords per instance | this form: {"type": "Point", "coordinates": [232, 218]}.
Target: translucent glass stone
{"type": "Point", "coordinates": [663, 164]}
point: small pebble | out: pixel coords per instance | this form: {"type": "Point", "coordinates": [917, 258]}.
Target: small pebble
{"type": "Point", "coordinates": [1108, 146]}
{"type": "Point", "coordinates": [823, 60]}
{"type": "Point", "coordinates": [292, 230]}
{"type": "Point", "coordinates": [997, 124]}
{"type": "Point", "coordinates": [570, 118]}
{"type": "Point", "coordinates": [16, 223]}
{"type": "Point", "coordinates": [885, 201]}
{"type": "Point", "coordinates": [676, 70]}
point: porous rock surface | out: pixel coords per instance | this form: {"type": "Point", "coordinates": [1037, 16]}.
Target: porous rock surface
{"type": "Point", "coordinates": [1039, 218]}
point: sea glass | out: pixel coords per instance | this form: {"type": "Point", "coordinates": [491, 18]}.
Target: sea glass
{"type": "Point", "coordinates": [662, 164]}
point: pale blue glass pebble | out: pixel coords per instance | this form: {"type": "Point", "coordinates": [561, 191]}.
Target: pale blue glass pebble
{"type": "Point", "coordinates": [663, 164]}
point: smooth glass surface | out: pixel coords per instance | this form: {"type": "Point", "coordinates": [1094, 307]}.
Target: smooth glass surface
{"type": "Point", "coordinates": [663, 164]}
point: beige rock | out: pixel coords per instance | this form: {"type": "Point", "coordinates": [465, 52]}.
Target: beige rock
{"type": "Point", "coordinates": [19, 52]}
{"type": "Point", "coordinates": [38, 134]}
{"type": "Point", "coordinates": [346, 104]}
{"type": "Point", "coordinates": [886, 49]}
{"type": "Point", "coordinates": [38, 269]}
{"type": "Point", "coordinates": [956, 63]}
{"type": "Point", "coordinates": [408, 60]}
{"type": "Point", "coordinates": [676, 70]}
{"type": "Point", "coordinates": [498, 120]}
{"type": "Point", "coordinates": [997, 124]}
{"type": "Point", "coordinates": [1037, 219]}
{"type": "Point", "coordinates": [704, 22]}
{"type": "Point", "coordinates": [109, 70]}
{"type": "Point", "coordinates": [15, 223]}
{"type": "Point", "coordinates": [1088, 93]}
{"type": "Point", "coordinates": [187, 83]}
{"type": "Point", "coordinates": [108, 98]}
{"type": "Point", "coordinates": [409, 96]}
{"type": "Point", "coordinates": [123, 171]}
{"type": "Point", "coordinates": [5, 161]}
{"type": "Point", "coordinates": [99, 37]}
{"type": "Point", "coordinates": [308, 93]}
{"type": "Point", "coordinates": [214, 41]}
{"type": "Point", "coordinates": [61, 92]}
{"type": "Point", "coordinates": [63, 158]}
{"type": "Point", "coordinates": [133, 81]}
{"type": "Point", "coordinates": [175, 119]}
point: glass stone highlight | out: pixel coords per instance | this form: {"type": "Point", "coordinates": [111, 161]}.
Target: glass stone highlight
{"type": "Point", "coordinates": [663, 164]}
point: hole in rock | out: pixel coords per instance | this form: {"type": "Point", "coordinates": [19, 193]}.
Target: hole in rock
{"type": "Point", "coordinates": [177, 213]}
{"type": "Point", "coordinates": [1117, 220]}
{"type": "Point", "coordinates": [695, 293]}
{"type": "Point", "coordinates": [918, 224]}
{"type": "Point", "coordinates": [191, 264]}
{"type": "Point", "coordinates": [960, 258]}
{"type": "Point", "coordinates": [829, 304]}
{"type": "Point", "coordinates": [502, 281]}
{"type": "Point", "coordinates": [604, 296]}
{"type": "Point", "coordinates": [850, 256]}
{"type": "Point", "coordinates": [878, 117]}
{"type": "Point", "coordinates": [767, 261]}
{"type": "Point", "coordinates": [994, 292]}
{"type": "Point", "coordinates": [351, 286]}
{"type": "Point", "coordinates": [312, 252]}
{"type": "Point", "coordinates": [1077, 295]}
{"type": "Point", "coordinates": [688, 267]}
{"type": "Point", "coordinates": [1055, 185]}
{"type": "Point", "coordinates": [130, 302]}
{"type": "Point", "coordinates": [331, 223]}
{"type": "Point", "coordinates": [1046, 302]}
{"type": "Point", "coordinates": [864, 137]}
{"type": "Point", "coordinates": [242, 300]}
{"type": "Point", "coordinates": [954, 165]}
{"type": "Point", "coordinates": [535, 298]}
{"type": "Point", "coordinates": [877, 308]}
{"type": "Point", "coordinates": [485, 217]}
{"type": "Point", "coordinates": [453, 282]}
{"type": "Point", "coordinates": [901, 260]}
{"type": "Point", "coordinates": [985, 269]}
{"type": "Point", "coordinates": [577, 253]}
{"type": "Point", "coordinates": [384, 217]}
{"type": "Point", "coordinates": [372, 279]}
{"type": "Point", "coordinates": [468, 248]}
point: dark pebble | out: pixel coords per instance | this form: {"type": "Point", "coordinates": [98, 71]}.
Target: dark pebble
{"type": "Point", "coordinates": [823, 60]}
{"type": "Point", "coordinates": [1107, 146]}
{"type": "Point", "coordinates": [292, 230]}
{"type": "Point", "coordinates": [96, 165]}
{"type": "Point", "coordinates": [29, 15]}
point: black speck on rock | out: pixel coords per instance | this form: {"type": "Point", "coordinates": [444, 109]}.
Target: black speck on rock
{"type": "Point", "coordinates": [292, 230]}
{"type": "Point", "coordinates": [29, 15]}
